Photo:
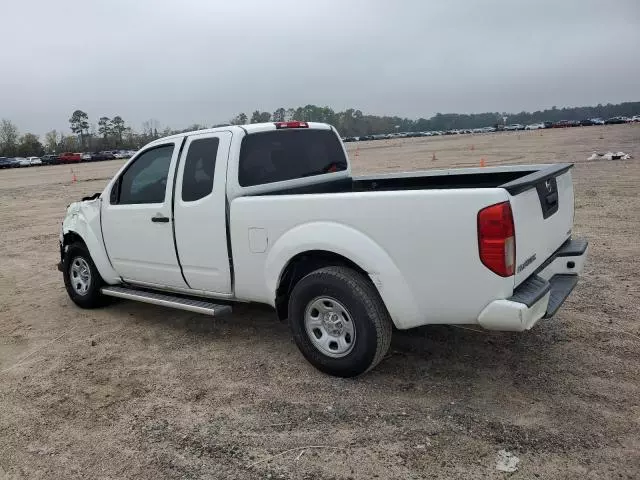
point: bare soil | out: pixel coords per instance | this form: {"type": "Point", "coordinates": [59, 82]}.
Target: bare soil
{"type": "Point", "coordinates": [137, 391]}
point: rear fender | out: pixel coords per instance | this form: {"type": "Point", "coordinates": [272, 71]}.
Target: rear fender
{"type": "Point", "coordinates": [83, 219]}
{"type": "Point", "coordinates": [355, 246]}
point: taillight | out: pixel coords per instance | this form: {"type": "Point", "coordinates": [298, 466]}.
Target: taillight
{"type": "Point", "coordinates": [496, 239]}
{"type": "Point", "coordinates": [292, 125]}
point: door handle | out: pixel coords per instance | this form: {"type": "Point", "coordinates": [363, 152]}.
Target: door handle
{"type": "Point", "coordinates": [159, 218]}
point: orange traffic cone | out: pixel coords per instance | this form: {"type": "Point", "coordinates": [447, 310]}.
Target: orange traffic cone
{"type": "Point", "coordinates": [483, 163]}
{"type": "Point", "coordinates": [74, 179]}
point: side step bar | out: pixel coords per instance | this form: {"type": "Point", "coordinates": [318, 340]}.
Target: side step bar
{"type": "Point", "coordinates": [168, 300]}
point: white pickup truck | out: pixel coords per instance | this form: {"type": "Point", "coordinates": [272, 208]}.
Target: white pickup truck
{"type": "Point", "coordinates": [270, 213]}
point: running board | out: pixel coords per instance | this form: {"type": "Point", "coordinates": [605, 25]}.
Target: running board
{"type": "Point", "coordinates": [168, 300]}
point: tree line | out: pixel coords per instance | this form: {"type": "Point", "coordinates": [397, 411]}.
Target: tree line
{"type": "Point", "coordinates": [113, 133]}
{"type": "Point", "coordinates": [106, 134]}
{"type": "Point", "coordinates": [352, 122]}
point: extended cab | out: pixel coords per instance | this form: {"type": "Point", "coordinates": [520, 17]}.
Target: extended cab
{"type": "Point", "coordinates": [270, 213]}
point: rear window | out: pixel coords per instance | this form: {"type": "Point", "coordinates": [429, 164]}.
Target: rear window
{"type": "Point", "coordinates": [197, 179]}
{"type": "Point", "coordinates": [279, 155]}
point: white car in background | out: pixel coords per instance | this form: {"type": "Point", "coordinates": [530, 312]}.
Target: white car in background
{"type": "Point", "coordinates": [34, 161]}
{"type": "Point", "coordinates": [86, 157]}
{"type": "Point", "coordinates": [23, 162]}
{"type": "Point", "coordinates": [534, 126]}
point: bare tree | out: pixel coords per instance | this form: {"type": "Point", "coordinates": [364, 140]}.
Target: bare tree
{"type": "Point", "coordinates": [91, 143]}
{"type": "Point", "coordinates": [69, 144]}
{"type": "Point", "coordinates": [150, 127]}
{"type": "Point", "coordinates": [51, 141]}
{"type": "Point", "coordinates": [129, 136]}
{"type": "Point", "coordinates": [8, 137]}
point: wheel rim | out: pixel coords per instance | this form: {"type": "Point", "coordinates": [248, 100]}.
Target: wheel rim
{"type": "Point", "coordinates": [80, 275]}
{"type": "Point", "coordinates": [330, 327]}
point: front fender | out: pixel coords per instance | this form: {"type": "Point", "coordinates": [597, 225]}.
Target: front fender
{"type": "Point", "coordinates": [357, 247]}
{"type": "Point", "coordinates": [83, 219]}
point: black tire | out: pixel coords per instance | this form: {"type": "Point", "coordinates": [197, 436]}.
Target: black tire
{"type": "Point", "coordinates": [373, 325]}
{"type": "Point", "coordinates": [92, 298]}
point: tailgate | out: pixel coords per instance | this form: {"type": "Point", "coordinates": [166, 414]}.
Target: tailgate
{"type": "Point", "coordinates": [542, 206]}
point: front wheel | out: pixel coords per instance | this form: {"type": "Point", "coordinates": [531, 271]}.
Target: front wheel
{"type": "Point", "coordinates": [81, 277]}
{"type": "Point", "coordinates": [339, 321]}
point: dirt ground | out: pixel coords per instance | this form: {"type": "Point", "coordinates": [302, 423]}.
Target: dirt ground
{"type": "Point", "coordinates": [138, 391]}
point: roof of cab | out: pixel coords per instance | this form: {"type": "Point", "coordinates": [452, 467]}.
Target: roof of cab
{"type": "Point", "coordinates": [250, 128]}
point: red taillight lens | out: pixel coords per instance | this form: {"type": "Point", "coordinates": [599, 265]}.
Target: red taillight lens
{"type": "Point", "coordinates": [496, 239]}
{"type": "Point", "coordinates": [292, 125]}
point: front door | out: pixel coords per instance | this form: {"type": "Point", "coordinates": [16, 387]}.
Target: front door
{"type": "Point", "coordinates": [200, 212]}
{"type": "Point", "coordinates": [136, 219]}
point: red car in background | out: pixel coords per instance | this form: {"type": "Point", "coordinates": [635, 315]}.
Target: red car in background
{"type": "Point", "coordinates": [68, 157]}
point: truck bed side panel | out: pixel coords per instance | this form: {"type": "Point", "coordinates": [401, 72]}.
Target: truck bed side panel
{"type": "Point", "coordinates": [426, 240]}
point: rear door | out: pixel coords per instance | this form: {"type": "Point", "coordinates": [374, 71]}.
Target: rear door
{"type": "Point", "coordinates": [200, 212]}
{"type": "Point", "coordinates": [543, 219]}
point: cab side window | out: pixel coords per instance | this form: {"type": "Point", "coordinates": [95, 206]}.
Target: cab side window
{"type": "Point", "coordinates": [145, 181]}
{"type": "Point", "coordinates": [199, 168]}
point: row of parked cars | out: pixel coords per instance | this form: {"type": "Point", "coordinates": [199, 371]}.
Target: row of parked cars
{"type": "Point", "coordinates": [575, 123]}
{"type": "Point", "coordinates": [9, 162]}
{"type": "Point", "coordinates": [506, 128]}
{"type": "Point", "coordinates": [66, 157]}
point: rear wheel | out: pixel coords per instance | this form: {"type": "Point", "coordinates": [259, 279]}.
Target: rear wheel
{"type": "Point", "coordinates": [339, 321]}
{"type": "Point", "coordinates": [81, 277]}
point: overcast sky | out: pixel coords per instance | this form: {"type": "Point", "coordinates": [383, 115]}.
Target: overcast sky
{"type": "Point", "coordinates": [203, 61]}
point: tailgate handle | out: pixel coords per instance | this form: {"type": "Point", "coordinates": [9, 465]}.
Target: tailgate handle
{"type": "Point", "coordinates": [552, 199]}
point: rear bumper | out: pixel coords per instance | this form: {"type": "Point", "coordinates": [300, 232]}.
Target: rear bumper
{"type": "Point", "coordinates": [540, 295]}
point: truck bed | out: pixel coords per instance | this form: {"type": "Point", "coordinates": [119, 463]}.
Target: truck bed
{"type": "Point", "coordinates": [421, 229]}
{"type": "Point", "coordinates": [514, 179]}
{"type": "Point", "coordinates": [541, 198]}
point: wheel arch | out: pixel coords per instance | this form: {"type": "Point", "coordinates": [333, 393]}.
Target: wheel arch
{"type": "Point", "coordinates": [321, 244]}
{"type": "Point", "coordinates": [301, 265]}
{"type": "Point", "coordinates": [82, 224]}
{"type": "Point", "coordinates": [71, 237]}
